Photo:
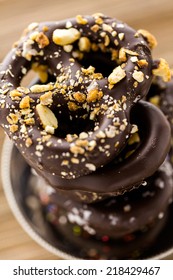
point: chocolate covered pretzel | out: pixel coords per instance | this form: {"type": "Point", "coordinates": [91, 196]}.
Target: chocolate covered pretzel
{"type": "Point", "coordinates": [81, 121]}
{"type": "Point", "coordinates": [127, 225]}
{"type": "Point", "coordinates": [85, 130]}
{"type": "Point", "coordinates": [136, 163]}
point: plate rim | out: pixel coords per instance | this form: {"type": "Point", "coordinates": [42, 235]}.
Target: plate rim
{"type": "Point", "coordinates": [12, 203]}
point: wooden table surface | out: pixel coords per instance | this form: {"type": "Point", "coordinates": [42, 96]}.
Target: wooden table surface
{"type": "Point", "coordinates": [153, 15]}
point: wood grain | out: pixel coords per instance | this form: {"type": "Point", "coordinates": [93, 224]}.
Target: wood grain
{"type": "Point", "coordinates": [153, 15]}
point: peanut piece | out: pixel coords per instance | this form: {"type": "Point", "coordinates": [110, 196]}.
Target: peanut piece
{"type": "Point", "coordinates": [117, 75]}
{"type": "Point", "coordinates": [47, 118]}
{"type": "Point", "coordinates": [64, 37]}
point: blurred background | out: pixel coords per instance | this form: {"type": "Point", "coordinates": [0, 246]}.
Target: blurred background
{"type": "Point", "coordinates": [154, 15]}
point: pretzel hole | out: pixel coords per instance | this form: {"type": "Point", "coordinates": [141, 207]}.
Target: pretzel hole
{"type": "Point", "coordinates": [29, 78]}
{"type": "Point", "coordinates": [102, 63]}
{"type": "Point", "coordinates": [32, 78]}
{"type": "Point", "coordinates": [73, 123]}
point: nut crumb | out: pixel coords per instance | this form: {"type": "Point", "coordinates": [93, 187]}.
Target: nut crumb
{"type": "Point", "coordinates": [64, 37]}
{"type": "Point", "coordinates": [163, 70]}
{"type": "Point", "coordinates": [79, 96]}
{"type": "Point", "coordinates": [117, 75]}
{"type": "Point", "coordinates": [81, 20]}
{"type": "Point", "coordinates": [25, 102]}
{"type": "Point", "coordinates": [41, 88]}
{"type": "Point", "coordinates": [94, 95]}
{"type": "Point", "coordinates": [42, 40]}
{"type": "Point", "coordinates": [47, 118]}
{"type": "Point", "coordinates": [149, 37]}
{"type": "Point", "coordinates": [46, 98]}
{"type": "Point", "coordinates": [138, 76]}
{"type": "Point", "coordinates": [13, 128]}
{"type": "Point", "coordinates": [84, 44]}
{"type": "Point", "coordinates": [28, 142]}
{"type": "Point", "coordinates": [77, 150]}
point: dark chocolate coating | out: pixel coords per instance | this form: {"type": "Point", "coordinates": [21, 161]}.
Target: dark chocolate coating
{"type": "Point", "coordinates": [116, 178]}
{"type": "Point", "coordinates": [132, 246]}
{"type": "Point", "coordinates": [115, 216]}
{"type": "Point", "coordinates": [104, 116]}
{"type": "Point", "coordinates": [161, 94]}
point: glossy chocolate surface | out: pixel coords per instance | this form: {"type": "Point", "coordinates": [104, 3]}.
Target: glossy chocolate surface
{"type": "Point", "coordinates": [91, 110]}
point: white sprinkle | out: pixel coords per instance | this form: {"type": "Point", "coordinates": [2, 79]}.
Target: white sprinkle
{"type": "Point", "coordinates": [114, 219]}
{"type": "Point", "coordinates": [62, 220]}
{"type": "Point", "coordinates": [132, 219]}
{"type": "Point", "coordinates": [127, 208]}
{"type": "Point", "coordinates": [161, 215]}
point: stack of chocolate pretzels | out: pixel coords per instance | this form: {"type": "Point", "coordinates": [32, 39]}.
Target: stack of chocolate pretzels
{"type": "Point", "coordinates": [96, 127]}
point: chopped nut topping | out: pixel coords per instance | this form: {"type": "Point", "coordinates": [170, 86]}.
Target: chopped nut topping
{"type": "Point", "coordinates": [134, 128]}
{"type": "Point", "coordinates": [94, 95]}
{"type": "Point", "coordinates": [90, 70]}
{"type": "Point", "coordinates": [117, 75]}
{"type": "Point", "coordinates": [79, 97]}
{"type": "Point", "coordinates": [138, 76]}
{"type": "Point", "coordinates": [50, 129]}
{"type": "Point", "coordinates": [94, 113]}
{"type": "Point", "coordinates": [122, 55]}
{"type": "Point", "coordinates": [45, 28]}
{"type": "Point", "coordinates": [68, 24]}
{"type": "Point", "coordinates": [29, 121]}
{"type": "Point", "coordinates": [163, 70]}
{"type": "Point", "coordinates": [142, 63]}
{"type": "Point", "coordinates": [13, 128]}
{"type": "Point", "coordinates": [68, 48]}
{"type": "Point", "coordinates": [41, 88]}
{"type": "Point", "coordinates": [65, 36]}
{"type": "Point", "coordinates": [47, 117]}
{"type": "Point", "coordinates": [83, 135]}
{"type": "Point", "coordinates": [91, 145]}
{"type": "Point", "coordinates": [70, 138]}
{"type": "Point", "coordinates": [114, 54]}
{"type": "Point", "coordinates": [100, 134]}
{"type": "Point", "coordinates": [73, 106]}
{"type": "Point", "coordinates": [149, 37]}
{"type": "Point", "coordinates": [25, 102]}
{"type": "Point", "coordinates": [84, 44]}
{"type": "Point", "coordinates": [90, 166]}
{"type": "Point", "coordinates": [28, 142]}
{"type": "Point", "coordinates": [107, 27]}
{"type": "Point", "coordinates": [81, 20]}
{"type": "Point", "coordinates": [75, 160]}
{"type": "Point", "coordinates": [65, 162]}
{"type": "Point", "coordinates": [131, 52]}
{"type": "Point", "coordinates": [121, 36]}
{"type": "Point", "coordinates": [12, 118]}
{"type": "Point", "coordinates": [77, 150]}
{"type": "Point", "coordinates": [15, 94]}
{"type": "Point", "coordinates": [99, 20]}
{"type": "Point", "coordinates": [95, 28]}
{"type": "Point", "coordinates": [81, 142]}
{"type": "Point", "coordinates": [46, 98]}
{"type": "Point", "coordinates": [42, 40]}
{"type": "Point", "coordinates": [107, 41]}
